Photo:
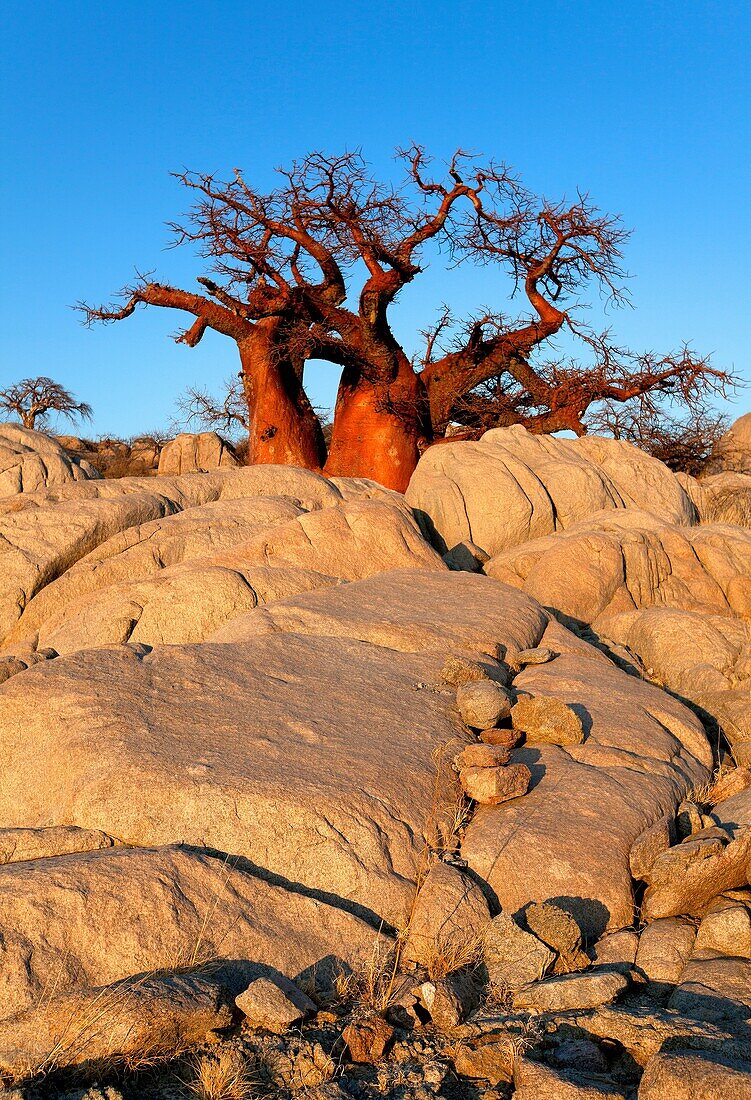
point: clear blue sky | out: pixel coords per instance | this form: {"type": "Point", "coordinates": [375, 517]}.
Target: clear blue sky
{"type": "Point", "coordinates": [644, 104]}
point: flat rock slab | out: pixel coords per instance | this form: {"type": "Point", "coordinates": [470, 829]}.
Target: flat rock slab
{"type": "Point", "coordinates": [179, 579]}
{"type": "Point", "coordinates": [312, 757]}
{"type": "Point", "coordinates": [572, 992]}
{"type": "Point", "coordinates": [644, 1029]}
{"type": "Point", "coordinates": [716, 988]}
{"type": "Point", "coordinates": [686, 1075]}
{"type": "Point", "coordinates": [535, 1081]}
{"type": "Point", "coordinates": [146, 549]}
{"type": "Point", "coordinates": [122, 912]}
{"type": "Point", "coordinates": [406, 610]}
{"type": "Point", "coordinates": [570, 837]}
{"type": "Point", "coordinates": [44, 533]}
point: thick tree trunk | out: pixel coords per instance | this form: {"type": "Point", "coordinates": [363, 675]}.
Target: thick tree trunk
{"type": "Point", "coordinates": [378, 428]}
{"type": "Point", "coordinates": [283, 427]}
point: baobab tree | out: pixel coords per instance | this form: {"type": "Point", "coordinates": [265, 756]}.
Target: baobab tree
{"type": "Point", "coordinates": [33, 399]}
{"type": "Point", "coordinates": [311, 271]}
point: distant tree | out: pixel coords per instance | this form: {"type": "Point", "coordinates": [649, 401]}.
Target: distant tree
{"type": "Point", "coordinates": [227, 412]}
{"type": "Point", "coordinates": [33, 399]}
{"type": "Point", "coordinates": [684, 443]}
{"type": "Point", "coordinates": [286, 264]}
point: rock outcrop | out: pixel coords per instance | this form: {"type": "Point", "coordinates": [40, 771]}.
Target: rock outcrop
{"type": "Point", "coordinates": [733, 450]}
{"type": "Point", "coordinates": [678, 598]}
{"type": "Point", "coordinates": [511, 487]}
{"type": "Point", "coordinates": [200, 451]}
{"type": "Point", "coordinates": [30, 461]}
{"type": "Point", "coordinates": [287, 783]}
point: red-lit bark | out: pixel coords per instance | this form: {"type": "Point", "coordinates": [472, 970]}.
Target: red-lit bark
{"type": "Point", "coordinates": [283, 427]}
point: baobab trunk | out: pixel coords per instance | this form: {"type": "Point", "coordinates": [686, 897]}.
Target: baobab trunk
{"type": "Point", "coordinates": [377, 429]}
{"type": "Point", "coordinates": [283, 427]}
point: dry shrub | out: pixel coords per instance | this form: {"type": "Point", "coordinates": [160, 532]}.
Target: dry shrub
{"type": "Point", "coordinates": [456, 954]}
{"type": "Point", "coordinates": [729, 504]}
{"type": "Point", "coordinates": [224, 1075]}
{"type": "Point", "coordinates": [372, 984]}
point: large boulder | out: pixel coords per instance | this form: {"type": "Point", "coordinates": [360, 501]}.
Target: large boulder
{"type": "Point", "coordinates": [311, 757]}
{"type": "Point", "coordinates": [571, 836]}
{"type": "Point", "coordinates": [615, 562]}
{"type": "Point", "coordinates": [179, 579]}
{"type": "Point", "coordinates": [200, 451]}
{"type": "Point", "coordinates": [733, 450]}
{"type": "Point", "coordinates": [30, 461]}
{"type": "Point", "coordinates": [95, 918]}
{"type": "Point", "coordinates": [510, 487]}
{"type": "Point", "coordinates": [678, 598]}
{"type": "Point", "coordinates": [45, 533]}
{"type": "Point", "coordinates": [701, 657]}
{"type": "Point", "coordinates": [405, 611]}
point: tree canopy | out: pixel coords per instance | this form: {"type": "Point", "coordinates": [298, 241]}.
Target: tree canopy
{"type": "Point", "coordinates": [310, 271]}
{"type": "Point", "coordinates": [33, 399]}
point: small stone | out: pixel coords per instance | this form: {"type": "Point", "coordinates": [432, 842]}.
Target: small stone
{"type": "Point", "coordinates": [461, 670]}
{"type": "Point", "coordinates": [726, 929]}
{"type": "Point", "coordinates": [687, 878]}
{"type": "Point", "coordinates": [404, 1008]}
{"type": "Point", "coordinates": [583, 1055]}
{"type": "Point", "coordinates": [449, 1000]}
{"type": "Point", "coordinates": [449, 916]}
{"type": "Point", "coordinates": [546, 720]}
{"type": "Point", "coordinates": [688, 819]}
{"type": "Point", "coordinates": [664, 949]}
{"type": "Point", "coordinates": [482, 756]}
{"type": "Point", "coordinates": [617, 949]}
{"type": "Point", "coordinates": [483, 704]}
{"type": "Point", "coordinates": [572, 991]}
{"type": "Point", "coordinates": [311, 1069]}
{"type": "Point", "coordinates": [731, 782]}
{"type": "Point", "coordinates": [675, 861]}
{"type": "Point", "coordinates": [489, 1058]}
{"type": "Point", "coordinates": [491, 786]}
{"type": "Point", "coordinates": [648, 846]}
{"type": "Point", "coordinates": [538, 655]}
{"type": "Point", "coordinates": [508, 739]}
{"type": "Point", "coordinates": [558, 929]}
{"type": "Point", "coordinates": [466, 557]}
{"type": "Point", "coordinates": [266, 1005]}
{"type": "Point", "coordinates": [513, 957]}
{"type": "Point", "coordinates": [10, 666]}
{"type": "Point", "coordinates": [30, 657]}
{"type": "Point", "coordinates": [367, 1038]}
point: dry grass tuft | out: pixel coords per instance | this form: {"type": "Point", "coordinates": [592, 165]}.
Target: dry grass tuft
{"type": "Point", "coordinates": [373, 984]}
{"type": "Point", "coordinates": [448, 957]}
{"type": "Point", "coordinates": [222, 1076]}
{"type": "Point", "coordinates": [730, 504]}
